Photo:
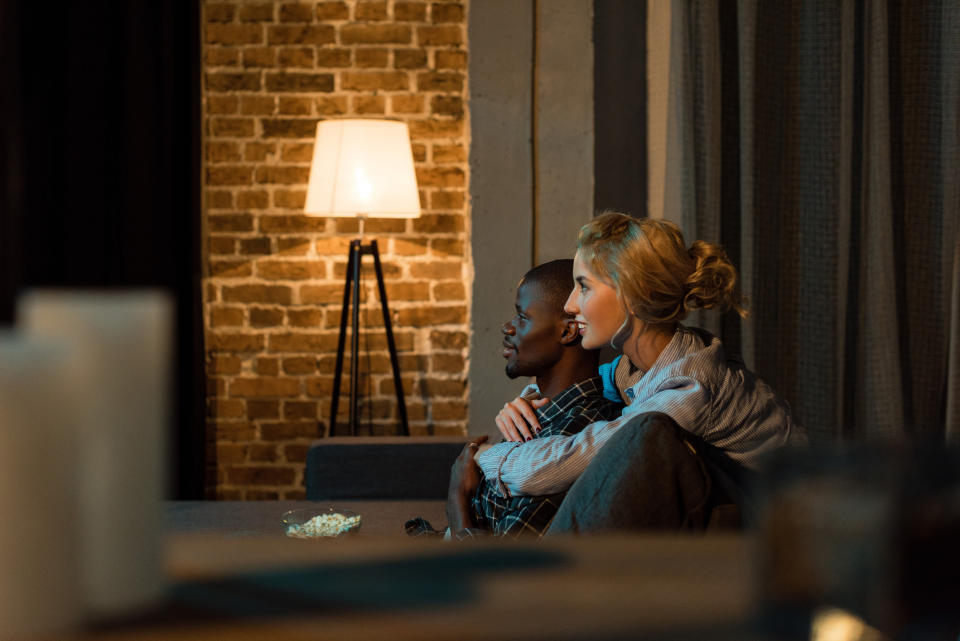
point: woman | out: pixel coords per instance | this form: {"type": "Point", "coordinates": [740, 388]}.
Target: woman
{"type": "Point", "coordinates": [635, 280]}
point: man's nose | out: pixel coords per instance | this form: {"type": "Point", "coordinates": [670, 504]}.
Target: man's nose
{"type": "Point", "coordinates": [508, 329]}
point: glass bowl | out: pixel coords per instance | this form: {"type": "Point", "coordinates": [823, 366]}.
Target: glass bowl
{"type": "Point", "coordinates": [319, 523]}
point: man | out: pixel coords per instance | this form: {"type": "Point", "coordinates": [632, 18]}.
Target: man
{"type": "Point", "coordinates": [541, 341]}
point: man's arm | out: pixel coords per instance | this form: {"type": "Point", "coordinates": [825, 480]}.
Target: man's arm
{"type": "Point", "coordinates": [550, 465]}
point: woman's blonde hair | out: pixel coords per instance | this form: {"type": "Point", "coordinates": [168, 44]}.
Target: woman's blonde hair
{"type": "Point", "coordinates": [656, 277]}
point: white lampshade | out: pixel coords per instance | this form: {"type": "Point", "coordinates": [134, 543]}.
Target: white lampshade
{"type": "Point", "coordinates": [362, 168]}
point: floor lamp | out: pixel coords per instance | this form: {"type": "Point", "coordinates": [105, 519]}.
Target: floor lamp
{"type": "Point", "coordinates": [362, 169]}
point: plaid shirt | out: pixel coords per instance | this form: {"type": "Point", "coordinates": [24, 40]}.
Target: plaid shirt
{"type": "Point", "coordinates": [566, 414]}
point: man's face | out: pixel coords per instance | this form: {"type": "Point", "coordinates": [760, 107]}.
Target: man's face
{"type": "Point", "coordinates": [531, 339]}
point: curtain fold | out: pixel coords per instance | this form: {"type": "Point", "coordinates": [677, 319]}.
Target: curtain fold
{"type": "Point", "coordinates": [818, 141]}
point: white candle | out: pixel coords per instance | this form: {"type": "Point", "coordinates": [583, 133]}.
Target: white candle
{"type": "Point", "coordinates": [39, 570]}
{"type": "Point", "coordinates": [121, 341]}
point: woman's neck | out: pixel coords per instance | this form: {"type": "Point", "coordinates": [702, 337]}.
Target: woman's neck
{"type": "Point", "coordinates": [646, 342]}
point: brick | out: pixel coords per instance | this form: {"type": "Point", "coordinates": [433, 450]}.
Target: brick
{"type": "Point", "coordinates": [333, 11]}
{"type": "Point", "coordinates": [440, 199]}
{"type": "Point", "coordinates": [371, 58]}
{"type": "Point", "coordinates": [233, 81]}
{"type": "Point", "coordinates": [268, 366]}
{"type": "Point", "coordinates": [234, 431]}
{"type": "Point", "coordinates": [425, 316]}
{"type": "Point", "coordinates": [332, 246]}
{"type": "Point", "coordinates": [285, 175]}
{"type": "Point", "coordinates": [291, 270]}
{"type": "Point", "coordinates": [217, 199]}
{"type": "Point", "coordinates": [222, 104]}
{"type": "Point", "coordinates": [409, 246]}
{"type": "Point", "coordinates": [302, 342]}
{"type": "Point", "coordinates": [375, 34]}
{"type": "Point", "coordinates": [230, 268]}
{"type": "Point", "coordinates": [446, 59]}
{"type": "Point", "coordinates": [259, 57]}
{"type": "Point", "coordinates": [227, 409]}
{"type": "Point", "coordinates": [293, 246]}
{"type": "Point", "coordinates": [252, 199]}
{"type": "Point", "coordinates": [295, 453]}
{"type": "Point", "coordinates": [334, 58]}
{"type": "Point", "coordinates": [300, 409]}
{"type": "Point", "coordinates": [263, 453]}
{"type": "Point", "coordinates": [450, 36]}
{"type": "Point", "coordinates": [299, 365]}
{"type": "Point", "coordinates": [222, 56]}
{"type": "Point", "coordinates": [260, 12]}
{"type": "Point", "coordinates": [294, 81]}
{"type": "Point", "coordinates": [301, 35]}
{"type": "Point", "coordinates": [315, 294]}
{"type": "Point", "coordinates": [264, 387]}
{"type": "Point", "coordinates": [219, 12]}
{"type": "Point", "coordinates": [257, 409]}
{"type": "Point", "coordinates": [261, 495]}
{"type": "Point", "coordinates": [296, 12]}
{"type": "Point", "coordinates": [289, 198]}
{"type": "Point", "coordinates": [223, 152]}
{"type": "Point", "coordinates": [449, 292]}
{"type": "Point", "coordinates": [331, 106]}
{"type": "Point", "coordinates": [221, 245]}
{"type": "Point", "coordinates": [229, 175]}
{"type": "Point", "coordinates": [231, 453]}
{"type": "Point", "coordinates": [293, 57]}
{"type": "Point", "coordinates": [443, 387]}
{"type": "Point", "coordinates": [419, 151]}
{"type": "Point", "coordinates": [437, 270]}
{"type": "Point", "coordinates": [438, 223]}
{"type": "Point", "coordinates": [446, 13]}
{"type": "Point", "coordinates": [233, 34]}
{"type": "Point", "coordinates": [231, 127]}
{"type": "Point", "coordinates": [295, 106]}
{"type": "Point", "coordinates": [226, 494]}
{"type": "Point", "coordinates": [440, 81]}
{"type": "Point", "coordinates": [260, 475]}
{"type": "Point", "coordinates": [409, 58]}
{"type": "Point", "coordinates": [449, 410]}
{"type": "Point", "coordinates": [413, 362]}
{"type": "Point", "coordinates": [447, 247]}
{"type": "Point", "coordinates": [372, 226]}
{"type": "Point", "coordinates": [453, 363]}
{"type": "Point", "coordinates": [407, 291]}
{"type": "Point", "coordinates": [231, 222]}
{"type": "Point", "coordinates": [226, 317]}
{"type": "Point", "coordinates": [370, 80]}
{"type": "Point", "coordinates": [322, 387]}
{"type": "Point", "coordinates": [235, 342]}
{"type": "Point", "coordinates": [410, 11]}
{"type": "Point", "coordinates": [427, 129]}
{"type": "Point", "coordinates": [289, 430]}
{"type": "Point", "coordinates": [258, 105]}
{"type": "Point", "coordinates": [370, 11]}
{"type": "Point", "coordinates": [305, 317]}
{"type": "Point", "coordinates": [289, 127]}
{"type": "Point", "coordinates": [258, 151]}
{"type": "Point", "coordinates": [291, 224]}
{"type": "Point", "coordinates": [449, 153]}
{"type": "Point", "coordinates": [254, 246]}
{"type": "Point", "coordinates": [296, 152]}
{"type": "Point", "coordinates": [440, 339]}
{"type": "Point", "coordinates": [278, 294]}
{"type": "Point", "coordinates": [446, 105]}
{"type": "Point", "coordinates": [364, 105]}
{"type": "Point", "coordinates": [406, 104]}
{"type": "Point", "coordinates": [266, 317]}
{"type": "Point", "coordinates": [440, 177]}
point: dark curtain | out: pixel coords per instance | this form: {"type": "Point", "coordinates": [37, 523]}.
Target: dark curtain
{"type": "Point", "coordinates": [100, 170]}
{"type": "Point", "coordinates": [820, 145]}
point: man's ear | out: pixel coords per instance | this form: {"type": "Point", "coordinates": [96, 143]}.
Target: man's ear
{"type": "Point", "coordinates": [570, 332]}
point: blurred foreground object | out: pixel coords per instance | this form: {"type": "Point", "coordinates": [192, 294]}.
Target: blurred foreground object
{"type": "Point", "coordinates": [120, 346]}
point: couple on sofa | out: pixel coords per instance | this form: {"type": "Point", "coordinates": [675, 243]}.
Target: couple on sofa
{"type": "Point", "coordinates": [678, 416]}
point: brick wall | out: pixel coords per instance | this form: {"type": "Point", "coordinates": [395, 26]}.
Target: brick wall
{"type": "Point", "coordinates": [273, 279]}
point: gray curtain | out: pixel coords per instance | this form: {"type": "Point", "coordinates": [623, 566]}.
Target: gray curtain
{"type": "Point", "coordinates": [819, 144]}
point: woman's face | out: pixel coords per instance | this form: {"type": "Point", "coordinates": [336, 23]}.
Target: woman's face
{"type": "Point", "coordinates": [595, 305]}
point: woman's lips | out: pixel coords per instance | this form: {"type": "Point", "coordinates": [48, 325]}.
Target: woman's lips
{"type": "Point", "coordinates": [582, 328]}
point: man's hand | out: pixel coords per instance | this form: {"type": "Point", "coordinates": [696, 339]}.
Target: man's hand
{"type": "Point", "coordinates": [464, 479]}
{"type": "Point", "coordinates": [517, 421]}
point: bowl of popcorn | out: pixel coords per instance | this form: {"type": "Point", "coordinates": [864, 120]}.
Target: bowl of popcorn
{"type": "Point", "coordinates": [315, 523]}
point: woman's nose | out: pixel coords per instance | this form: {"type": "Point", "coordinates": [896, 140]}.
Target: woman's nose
{"type": "Point", "coordinates": [570, 306]}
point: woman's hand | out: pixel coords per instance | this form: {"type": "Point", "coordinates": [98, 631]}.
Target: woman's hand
{"type": "Point", "coordinates": [517, 421]}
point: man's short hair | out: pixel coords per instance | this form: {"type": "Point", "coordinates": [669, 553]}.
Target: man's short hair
{"type": "Point", "coordinates": [555, 279]}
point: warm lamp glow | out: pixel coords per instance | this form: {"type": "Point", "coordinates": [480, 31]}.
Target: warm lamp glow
{"type": "Point", "coordinates": [362, 168]}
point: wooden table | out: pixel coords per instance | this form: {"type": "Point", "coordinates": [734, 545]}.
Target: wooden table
{"type": "Point", "coordinates": [243, 584]}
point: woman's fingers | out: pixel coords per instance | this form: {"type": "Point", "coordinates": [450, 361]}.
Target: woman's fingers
{"type": "Point", "coordinates": [507, 429]}
{"type": "Point", "coordinates": [514, 413]}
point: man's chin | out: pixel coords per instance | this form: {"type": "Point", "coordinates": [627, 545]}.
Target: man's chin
{"type": "Point", "coordinates": [511, 371]}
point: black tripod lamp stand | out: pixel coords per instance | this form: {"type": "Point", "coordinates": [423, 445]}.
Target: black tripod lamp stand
{"type": "Point", "coordinates": [362, 169]}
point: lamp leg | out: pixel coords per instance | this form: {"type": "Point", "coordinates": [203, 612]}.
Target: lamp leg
{"type": "Point", "coordinates": [397, 382]}
{"type": "Point", "coordinates": [355, 337]}
{"type": "Point", "coordinates": [352, 255]}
